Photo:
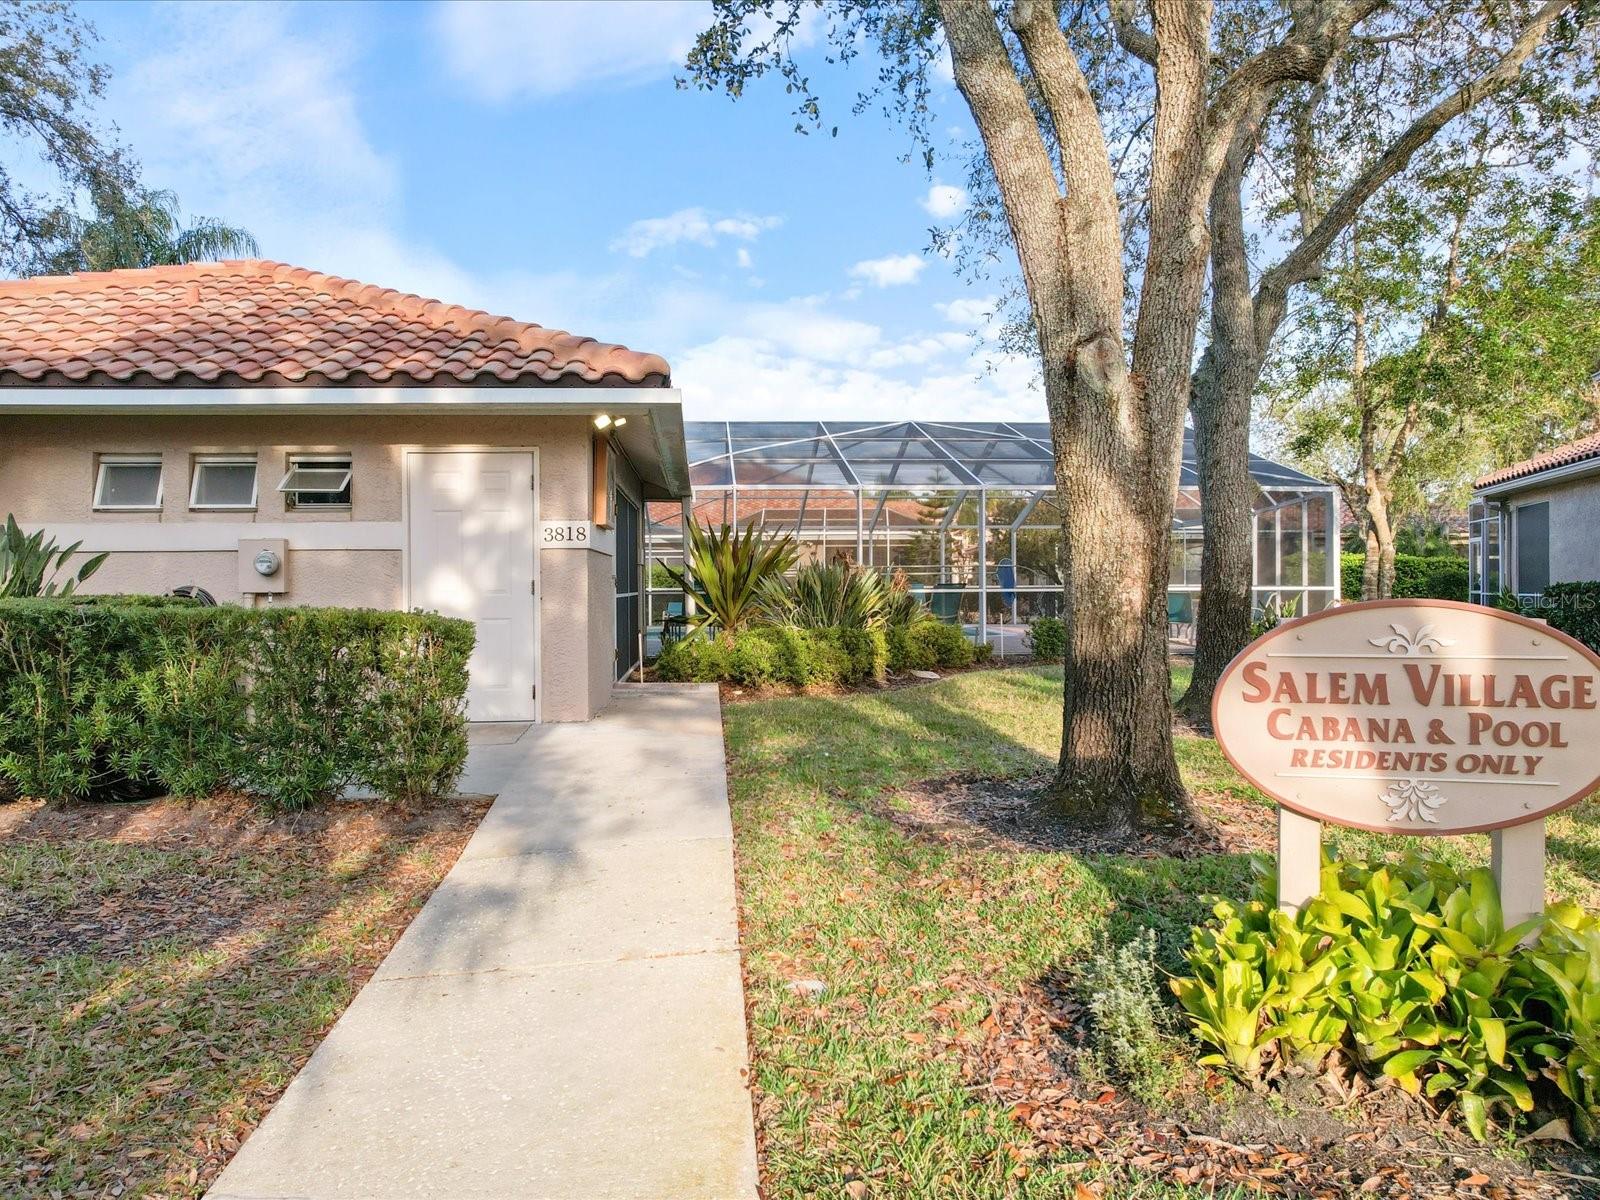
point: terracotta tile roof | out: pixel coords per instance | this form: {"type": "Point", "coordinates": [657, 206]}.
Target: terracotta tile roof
{"type": "Point", "coordinates": [1561, 456]}
{"type": "Point", "coordinates": [265, 324]}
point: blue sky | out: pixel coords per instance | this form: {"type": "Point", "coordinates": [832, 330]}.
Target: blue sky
{"type": "Point", "coordinates": [538, 161]}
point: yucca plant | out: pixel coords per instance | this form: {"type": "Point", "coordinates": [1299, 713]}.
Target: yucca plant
{"type": "Point", "coordinates": [835, 596]}
{"type": "Point", "coordinates": [30, 564]}
{"type": "Point", "coordinates": [902, 609]}
{"type": "Point", "coordinates": [727, 572]}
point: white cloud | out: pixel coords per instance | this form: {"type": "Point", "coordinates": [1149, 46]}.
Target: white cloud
{"type": "Point", "coordinates": [249, 118]}
{"type": "Point", "coordinates": [689, 225]}
{"type": "Point", "coordinates": [253, 123]}
{"type": "Point", "coordinates": [499, 50]}
{"type": "Point", "coordinates": [944, 200]}
{"type": "Point", "coordinates": [801, 327]}
{"type": "Point", "coordinates": [741, 378]}
{"type": "Point", "coordinates": [971, 311]}
{"type": "Point", "coordinates": [893, 270]}
{"type": "Point", "coordinates": [916, 351]}
{"type": "Point", "coordinates": [744, 260]}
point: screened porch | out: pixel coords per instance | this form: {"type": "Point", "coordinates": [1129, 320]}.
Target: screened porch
{"type": "Point", "coordinates": [967, 513]}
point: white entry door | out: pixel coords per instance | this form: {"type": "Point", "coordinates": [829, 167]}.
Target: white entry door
{"type": "Point", "coordinates": [470, 538]}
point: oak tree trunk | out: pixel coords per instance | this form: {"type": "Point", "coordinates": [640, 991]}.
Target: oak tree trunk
{"type": "Point", "coordinates": [1117, 771]}
{"type": "Point", "coordinates": [1221, 409]}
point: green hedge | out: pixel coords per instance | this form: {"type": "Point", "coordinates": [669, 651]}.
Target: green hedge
{"type": "Point", "coordinates": [767, 655]}
{"type": "Point", "coordinates": [1573, 608]}
{"type": "Point", "coordinates": [929, 645]}
{"type": "Point", "coordinates": [291, 704]}
{"type": "Point", "coordinates": [1443, 577]}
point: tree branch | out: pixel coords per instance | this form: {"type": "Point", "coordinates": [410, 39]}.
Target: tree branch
{"type": "Point", "coordinates": [1016, 150]}
{"type": "Point", "coordinates": [1305, 260]}
{"type": "Point", "coordinates": [1134, 40]}
{"type": "Point", "coordinates": [1303, 55]}
{"type": "Point", "coordinates": [1090, 205]}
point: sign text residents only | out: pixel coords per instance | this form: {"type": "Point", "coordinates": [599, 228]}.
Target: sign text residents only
{"type": "Point", "coordinates": [1414, 717]}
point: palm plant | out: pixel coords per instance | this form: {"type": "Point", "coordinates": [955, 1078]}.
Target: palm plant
{"type": "Point", "coordinates": [146, 229]}
{"type": "Point", "coordinates": [29, 564]}
{"type": "Point", "coordinates": [728, 571]}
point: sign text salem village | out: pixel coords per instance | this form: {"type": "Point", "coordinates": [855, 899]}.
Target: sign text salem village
{"type": "Point", "coordinates": [1416, 717]}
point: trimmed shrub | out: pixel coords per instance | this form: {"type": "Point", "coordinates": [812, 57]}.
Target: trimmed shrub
{"type": "Point", "coordinates": [1573, 608]}
{"type": "Point", "coordinates": [105, 700]}
{"type": "Point", "coordinates": [1442, 577]}
{"type": "Point", "coordinates": [930, 645]}
{"type": "Point", "coordinates": [1048, 638]}
{"type": "Point", "coordinates": [778, 655]}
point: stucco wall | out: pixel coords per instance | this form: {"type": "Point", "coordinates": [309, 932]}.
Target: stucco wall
{"type": "Point", "coordinates": [1574, 526]}
{"type": "Point", "coordinates": [47, 470]}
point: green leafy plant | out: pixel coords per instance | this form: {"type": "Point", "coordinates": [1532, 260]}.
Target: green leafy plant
{"type": "Point", "coordinates": [765, 655]}
{"type": "Point", "coordinates": [1408, 970]}
{"type": "Point", "coordinates": [833, 596]}
{"type": "Point", "coordinates": [1563, 973]}
{"type": "Point", "coordinates": [728, 572]}
{"type": "Point", "coordinates": [106, 700]}
{"type": "Point", "coordinates": [1573, 608]}
{"type": "Point", "coordinates": [1274, 613]}
{"type": "Point", "coordinates": [902, 608]}
{"type": "Point", "coordinates": [30, 564]}
{"type": "Point", "coordinates": [929, 645]}
{"type": "Point", "coordinates": [1131, 1031]}
{"type": "Point", "coordinates": [1433, 576]}
{"type": "Point", "coordinates": [1048, 638]}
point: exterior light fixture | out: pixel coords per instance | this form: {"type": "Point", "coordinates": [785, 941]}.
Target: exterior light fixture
{"type": "Point", "coordinates": [602, 421]}
{"type": "Point", "coordinates": [619, 422]}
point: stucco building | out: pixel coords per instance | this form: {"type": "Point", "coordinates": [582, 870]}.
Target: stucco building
{"type": "Point", "coordinates": [275, 436]}
{"type": "Point", "coordinates": [1537, 522]}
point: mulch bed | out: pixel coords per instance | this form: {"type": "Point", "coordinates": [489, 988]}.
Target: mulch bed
{"type": "Point", "coordinates": [1330, 1139]}
{"type": "Point", "coordinates": [1009, 815]}
{"type": "Point", "coordinates": [190, 906]}
{"type": "Point", "coordinates": [1333, 1136]}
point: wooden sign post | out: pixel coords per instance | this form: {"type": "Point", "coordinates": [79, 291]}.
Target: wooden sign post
{"type": "Point", "coordinates": [1420, 717]}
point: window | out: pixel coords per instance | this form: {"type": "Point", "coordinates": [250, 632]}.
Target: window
{"type": "Point", "coordinates": [1532, 536]}
{"type": "Point", "coordinates": [1483, 552]}
{"type": "Point", "coordinates": [317, 481]}
{"type": "Point", "coordinates": [224, 481]}
{"type": "Point", "coordinates": [128, 481]}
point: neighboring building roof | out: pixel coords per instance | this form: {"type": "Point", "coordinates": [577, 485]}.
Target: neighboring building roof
{"type": "Point", "coordinates": [1561, 456]}
{"type": "Point", "coordinates": [250, 323]}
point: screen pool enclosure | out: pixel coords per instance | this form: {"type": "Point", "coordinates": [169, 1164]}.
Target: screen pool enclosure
{"type": "Point", "coordinates": [967, 512]}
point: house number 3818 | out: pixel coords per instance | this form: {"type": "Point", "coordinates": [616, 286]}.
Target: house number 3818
{"type": "Point", "coordinates": [562, 534]}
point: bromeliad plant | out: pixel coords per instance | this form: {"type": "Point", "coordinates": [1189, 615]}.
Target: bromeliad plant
{"type": "Point", "coordinates": [1408, 971]}
{"type": "Point", "coordinates": [727, 572]}
{"type": "Point", "coordinates": [30, 564]}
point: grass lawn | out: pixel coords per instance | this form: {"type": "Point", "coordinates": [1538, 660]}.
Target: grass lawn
{"type": "Point", "coordinates": [168, 968]}
{"type": "Point", "coordinates": [860, 1090]}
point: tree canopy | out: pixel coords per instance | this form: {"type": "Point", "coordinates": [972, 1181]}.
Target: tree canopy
{"type": "Point", "coordinates": [64, 159]}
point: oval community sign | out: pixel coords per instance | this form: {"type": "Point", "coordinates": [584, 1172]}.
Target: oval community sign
{"type": "Point", "coordinates": [1414, 716]}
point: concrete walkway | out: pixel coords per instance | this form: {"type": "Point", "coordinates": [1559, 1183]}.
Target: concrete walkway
{"type": "Point", "coordinates": [565, 1017]}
